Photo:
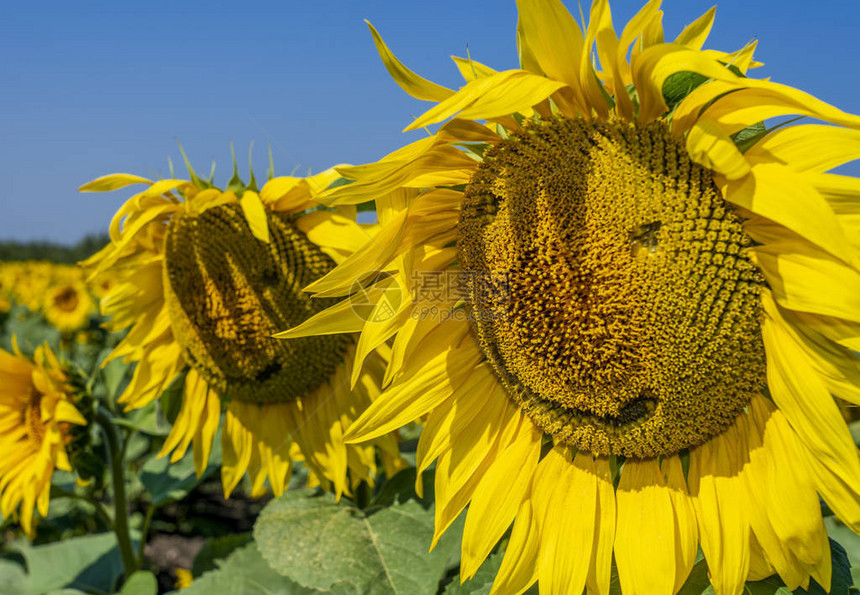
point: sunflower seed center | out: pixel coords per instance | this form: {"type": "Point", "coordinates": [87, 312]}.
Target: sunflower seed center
{"type": "Point", "coordinates": [228, 293]}
{"type": "Point", "coordinates": [629, 320]}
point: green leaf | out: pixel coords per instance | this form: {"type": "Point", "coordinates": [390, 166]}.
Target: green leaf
{"type": "Point", "coordinates": [13, 579]}
{"type": "Point", "coordinates": [141, 582]}
{"type": "Point", "coordinates": [401, 488]}
{"type": "Point", "coordinates": [171, 399]}
{"type": "Point", "coordinates": [30, 329]}
{"type": "Point", "coordinates": [89, 563]}
{"type": "Point", "coordinates": [114, 376]}
{"type": "Point", "coordinates": [245, 572]}
{"type": "Point", "coordinates": [166, 481]}
{"type": "Point", "coordinates": [318, 543]}
{"type": "Point", "coordinates": [679, 85]}
{"type": "Point", "coordinates": [698, 582]}
{"type": "Point", "coordinates": [146, 420]}
{"type": "Point", "coordinates": [749, 136]}
{"type": "Point", "coordinates": [216, 549]}
{"type": "Point", "coordinates": [482, 582]}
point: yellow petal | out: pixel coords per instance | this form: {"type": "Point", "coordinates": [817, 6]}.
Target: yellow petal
{"type": "Point", "coordinates": [236, 444]}
{"type": "Point", "coordinates": [206, 430]}
{"type": "Point", "coordinates": [801, 394]}
{"type": "Point", "coordinates": [162, 362]}
{"type": "Point", "coordinates": [343, 317]}
{"type": "Point", "coordinates": [777, 193]}
{"type": "Point", "coordinates": [498, 497]}
{"type": "Point", "coordinates": [451, 499]}
{"type": "Point", "coordinates": [469, 448]}
{"type": "Point", "coordinates": [738, 104]}
{"type": "Point", "coordinates": [471, 70]}
{"type": "Point", "coordinates": [277, 188]}
{"type": "Point", "coordinates": [112, 182]}
{"type": "Point", "coordinates": [66, 412]}
{"type": "Point", "coordinates": [632, 30]}
{"type": "Point", "coordinates": [842, 332]}
{"type": "Point", "coordinates": [599, 30]}
{"type": "Point", "coordinates": [519, 566]}
{"type": "Point", "coordinates": [456, 415]}
{"type": "Point", "coordinates": [686, 529]}
{"type": "Point", "coordinates": [792, 504]}
{"type": "Point", "coordinates": [768, 552]}
{"type": "Point", "coordinates": [372, 256]}
{"type": "Point", "coordinates": [135, 224]}
{"type": "Point", "coordinates": [332, 230]}
{"type": "Point", "coordinates": [497, 95]}
{"type": "Point", "coordinates": [837, 365]}
{"type": "Point", "coordinates": [645, 524]}
{"type": "Point", "coordinates": [568, 523]}
{"type": "Point", "coordinates": [696, 33]}
{"type": "Point", "coordinates": [600, 571]}
{"type": "Point", "coordinates": [655, 64]}
{"type": "Point", "coordinates": [417, 86]}
{"type": "Point", "coordinates": [712, 148]}
{"type": "Point", "coordinates": [404, 172]}
{"type": "Point", "coordinates": [808, 148]}
{"type": "Point", "coordinates": [806, 279]}
{"type": "Point", "coordinates": [255, 215]}
{"type": "Point", "coordinates": [554, 41]}
{"type": "Point", "coordinates": [724, 531]}
{"type": "Point", "coordinates": [426, 381]}
{"type": "Point", "coordinates": [189, 418]}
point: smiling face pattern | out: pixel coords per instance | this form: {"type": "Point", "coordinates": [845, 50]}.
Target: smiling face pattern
{"type": "Point", "coordinates": [617, 302]}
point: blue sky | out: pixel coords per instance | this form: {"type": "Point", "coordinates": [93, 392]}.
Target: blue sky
{"type": "Point", "coordinates": [91, 88]}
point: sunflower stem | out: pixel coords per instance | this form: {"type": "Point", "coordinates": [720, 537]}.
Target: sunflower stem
{"type": "Point", "coordinates": [117, 465]}
{"type": "Point", "coordinates": [144, 532]}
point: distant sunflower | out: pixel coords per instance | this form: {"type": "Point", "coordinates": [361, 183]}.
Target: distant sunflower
{"type": "Point", "coordinates": [37, 413]}
{"type": "Point", "coordinates": [203, 278]}
{"type": "Point", "coordinates": [68, 306]}
{"type": "Point", "coordinates": [628, 311]}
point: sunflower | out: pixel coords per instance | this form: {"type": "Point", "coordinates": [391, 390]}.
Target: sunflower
{"type": "Point", "coordinates": [68, 306]}
{"type": "Point", "coordinates": [37, 414]}
{"type": "Point", "coordinates": [202, 278]}
{"type": "Point", "coordinates": [627, 306]}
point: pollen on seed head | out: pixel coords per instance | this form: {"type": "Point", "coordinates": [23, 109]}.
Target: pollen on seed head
{"type": "Point", "coordinates": [630, 321]}
{"type": "Point", "coordinates": [228, 293]}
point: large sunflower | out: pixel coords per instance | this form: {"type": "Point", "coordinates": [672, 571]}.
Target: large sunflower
{"type": "Point", "coordinates": [37, 414]}
{"type": "Point", "coordinates": [631, 304]}
{"type": "Point", "coordinates": [202, 278]}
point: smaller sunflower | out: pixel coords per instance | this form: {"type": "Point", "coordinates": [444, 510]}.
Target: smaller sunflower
{"type": "Point", "coordinates": [37, 414]}
{"type": "Point", "coordinates": [203, 278]}
{"type": "Point", "coordinates": [68, 306]}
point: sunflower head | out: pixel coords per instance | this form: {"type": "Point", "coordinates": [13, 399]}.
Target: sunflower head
{"type": "Point", "coordinates": [225, 305]}
{"type": "Point", "coordinates": [633, 294]}
{"type": "Point", "coordinates": [204, 277]}
{"type": "Point", "coordinates": [626, 313]}
{"type": "Point", "coordinates": [38, 417]}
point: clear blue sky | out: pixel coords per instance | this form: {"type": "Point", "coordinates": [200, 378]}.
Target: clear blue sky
{"type": "Point", "coordinates": [91, 88]}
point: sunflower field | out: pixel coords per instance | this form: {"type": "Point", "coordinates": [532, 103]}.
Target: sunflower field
{"type": "Point", "coordinates": [597, 331]}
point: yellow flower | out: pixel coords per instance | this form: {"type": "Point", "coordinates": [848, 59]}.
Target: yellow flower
{"type": "Point", "coordinates": [184, 578]}
{"type": "Point", "coordinates": [37, 413]}
{"type": "Point", "coordinates": [624, 314]}
{"type": "Point", "coordinates": [203, 278]}
{"type": "Point", "coordinates": [68, 306]}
